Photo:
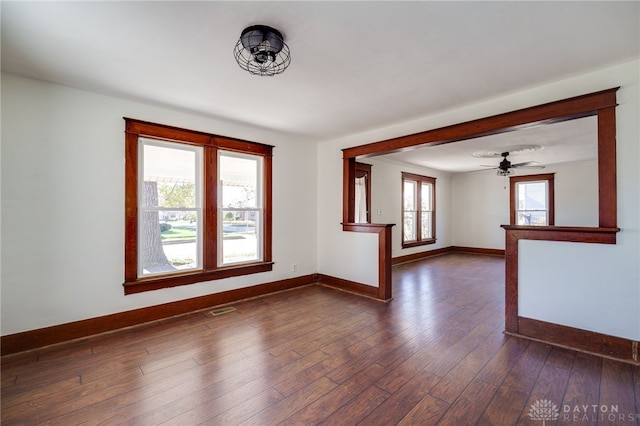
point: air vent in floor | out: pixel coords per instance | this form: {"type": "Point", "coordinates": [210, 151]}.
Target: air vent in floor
{"type": "Point", "coordinates": [223, 310]}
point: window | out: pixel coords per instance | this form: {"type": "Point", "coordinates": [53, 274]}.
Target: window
{"type": "Point", "coordinates": [198, 207]}
{"type": "Point", "coordinates": [363, 193]}
{"type": "Point", "coordinates": [170, 207]}
{"type": "Point", "coordinates": [418, 210]}
{"type": "Point", "coordinates": [239, 236]}
{"type": "Point", "coordinates": [532, 202]}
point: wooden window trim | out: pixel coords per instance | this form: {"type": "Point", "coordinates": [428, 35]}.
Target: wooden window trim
{"type": "Point", "coordinates": [514, 180]}
{"type": "Point", "coordinates": [134, 129]}
{"type": "Point", "coordinates": [420, 180]}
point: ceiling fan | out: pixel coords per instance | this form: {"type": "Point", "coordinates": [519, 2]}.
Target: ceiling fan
{"type": "Point", "coordinates": [505, 168]}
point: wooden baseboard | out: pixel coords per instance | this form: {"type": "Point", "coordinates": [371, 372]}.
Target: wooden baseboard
{"type": "Point", "coordinates": [617, 348]}
{"type": "Point", "coordinates": [350, 286]}
{"type": "Point", "coordinates": [33, 339]}
{"type": "Point", "coordinates": [478, 250]}
{"type": "Point", "coordinates": [418, 256]}
{"type": "Point", "coordinates": [572, 338]}
{"type": "Point", "coordinates": [452, 249]}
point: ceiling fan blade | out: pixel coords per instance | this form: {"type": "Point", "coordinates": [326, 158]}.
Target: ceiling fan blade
{"type": "Point", "coordinates": [528, 167]}
{"type": "Point", "coordinates": [526, 163]}
{"type": "Point", "coordinates": [492, 167]}
{"type": "Point", "coordinates": [480, 170]}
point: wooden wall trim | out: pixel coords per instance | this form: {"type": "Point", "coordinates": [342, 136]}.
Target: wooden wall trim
{"type": "Point", "coordinates": [607, 174]}
{"type": "Point", "coordinates": [349, 190]}
{"type": "Point", "coordinates": [33, 339]}
{"type": "Point", "coordinates": [420, 255]}
{"type": "Point", "coordinates": [451, 249]}
{"type": "Point", "coordinates": [157, 283]}
{"type": "Point", "coordinates": [511, 283]}
{"type": "Point", "coordinates": [562, 110]}
{"type": "Point", "coordinates": [364, 170]}
{"type": "Point", "coordinates": [604, 345]}
{"type": "Point", "coordinates": [564, 233]}
{"type": "Point", "coordinates": [555, 334]}
{"type": "Point", "coordinates": [478, 250]}
{"type": "Point", "coordinates": [347, 285]}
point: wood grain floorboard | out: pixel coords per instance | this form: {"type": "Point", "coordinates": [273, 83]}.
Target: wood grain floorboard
{"type": "Point", "coordinates": [336, 398]}
{"type": "Point", "coordinates": [434, 355]}
{"type": "Point", "coordinates": [470, 406]}
{"type": "Point", "coordinates": [505, 407]}
{"type": "Point", "coordinates": [357, 409]}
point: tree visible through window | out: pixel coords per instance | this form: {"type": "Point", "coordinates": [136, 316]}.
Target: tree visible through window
{"type": "Point", "coordinates": [532, 200]}
{"type": "Point", "coordinates": [418, 210]}
{"type": "Point", "coordinates": [170, 207]}
{"type": "Point", "coordinates": [198, 207]}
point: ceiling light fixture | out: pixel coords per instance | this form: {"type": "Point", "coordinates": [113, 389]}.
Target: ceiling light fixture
{"type": "Point", "coordinates": [261, 50]}
{"type": "Point", "coordinates": [505, 172]}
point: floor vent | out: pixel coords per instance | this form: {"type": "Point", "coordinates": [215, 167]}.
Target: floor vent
{"type": "Point", "coordinates": [223, 310]}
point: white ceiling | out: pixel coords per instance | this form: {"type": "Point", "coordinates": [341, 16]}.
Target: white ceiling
{"type": "Point", "coordinates": [564, 142]}
{"type": "Point", "coordinates": [356, 66]}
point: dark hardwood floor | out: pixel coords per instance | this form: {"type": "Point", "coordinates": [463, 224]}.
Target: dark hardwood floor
{"type": "Point", "coordinates": [435, 355]}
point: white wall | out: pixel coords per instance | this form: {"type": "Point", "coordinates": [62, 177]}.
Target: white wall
{"type": "Point", "coordinates": [480, 206]}
{"type": "Point", "coordinates": [347, 255]}
{"type": "Point", "coordinates": [576, 193]}
{"type": "Point", "coordinates": [386, 196]}
{"type": "Point", "coordinates": [559, 273]}
{"type": "Point", "coordinates": [481, 202]}
{"type": "Point", "coordinates": [63, 204]}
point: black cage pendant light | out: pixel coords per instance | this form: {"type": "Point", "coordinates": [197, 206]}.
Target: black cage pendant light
{"type": "Point", "coordinates": [261, 50]}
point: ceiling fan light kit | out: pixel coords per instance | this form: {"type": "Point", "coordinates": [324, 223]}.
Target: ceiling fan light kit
{"type": "Point", "coordinates": [261, 50]}
{"type": "Point", "coordinates": [505, 172]}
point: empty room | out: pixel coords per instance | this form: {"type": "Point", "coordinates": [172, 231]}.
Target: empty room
{"type": "Point", "coordinates": [336, 213]}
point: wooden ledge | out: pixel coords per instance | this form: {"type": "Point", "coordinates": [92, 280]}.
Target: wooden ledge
{"type": "Point", "coordinates": [366, 227]}
{"type": "Point", "coordinates": [560, 228]}
{"type": "Point", "coordinates": [563, 233]}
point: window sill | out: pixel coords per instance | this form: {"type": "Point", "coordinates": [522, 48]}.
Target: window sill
{"type": "Point", "coordinates": [418, 243]}
{"type": "Point", "coordinates": [156, 283]}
